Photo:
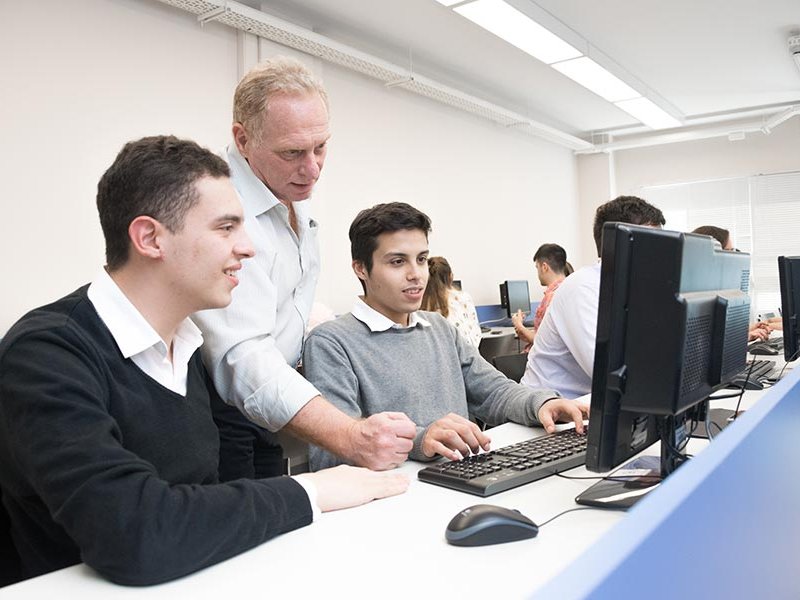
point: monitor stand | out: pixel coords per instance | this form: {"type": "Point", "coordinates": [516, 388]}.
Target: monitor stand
{"type": "Point", "coordinates": [625, 486]}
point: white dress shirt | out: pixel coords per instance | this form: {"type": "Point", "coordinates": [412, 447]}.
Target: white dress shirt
{"type": "Point", "coordinates": [137, 339]}
{"type": "Point", "coordinates": [379, 322]}
{"type": "Point", "coordinates": [562, 357]}
{"type": "Point", "coordinates": [252, 346]}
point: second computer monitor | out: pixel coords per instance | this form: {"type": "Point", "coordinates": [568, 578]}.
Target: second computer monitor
{"type": "Point", "coordinates": [514, 296]}
{"type": "Point", "coordinates": [671, 328]}
{"type": "Point", "coordinates": [789, 272]}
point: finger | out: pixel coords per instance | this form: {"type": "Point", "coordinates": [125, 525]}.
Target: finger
{"type": "Point", "coordinates": [546, 419]}
{"type": "Point", "coordinates": [576, 415]}
{"type": "Point", "coordinates": [404, 428]}
{"type": "Point", "coordinates": [468, 431]}
{"type": "Point", "coordinates": [484, 440]}
{"type": "Point", "coordinates": [392, 484]}
{"type": "Point", "coordinates": [439, 448]}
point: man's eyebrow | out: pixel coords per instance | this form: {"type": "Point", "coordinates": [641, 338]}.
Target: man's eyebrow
{"type": "Point", "coordinates": [231, 217]}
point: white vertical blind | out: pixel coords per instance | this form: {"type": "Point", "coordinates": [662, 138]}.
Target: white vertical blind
{"type": "Point", "coordinates": [761, 212]}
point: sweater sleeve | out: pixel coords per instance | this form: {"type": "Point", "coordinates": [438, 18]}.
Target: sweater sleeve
{"type": "Point", "coordinates": [494, 398]}
{"type": "Point", "coordinates": [328, 367]}
{"type": "Point", "coordinates": [130, 525]}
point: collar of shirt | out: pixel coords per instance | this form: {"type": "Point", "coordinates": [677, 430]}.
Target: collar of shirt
{"type": "Point", "coordinates": [133, 334]}
{"type": "Point", "coordinates": [257, 198]}
{"type": "Point", "coordinates": [379, 322]}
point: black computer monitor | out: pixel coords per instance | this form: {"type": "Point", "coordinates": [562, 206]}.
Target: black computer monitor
{"type": "Point", "coordinates": [514, 296]}
{"type": "Point", "coordinates": [789, 273]}
{"type": "Point", "coordinates": [672, 328]}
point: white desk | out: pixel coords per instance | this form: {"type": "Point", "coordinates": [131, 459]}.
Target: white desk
{"type": "Point", "coordinates": [391, 548]}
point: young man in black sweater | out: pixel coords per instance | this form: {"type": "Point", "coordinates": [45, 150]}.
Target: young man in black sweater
{"type": "Point", "coordinates": [108, 450]}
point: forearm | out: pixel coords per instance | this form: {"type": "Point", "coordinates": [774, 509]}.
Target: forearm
{"type": "Point", "coordinates": [322, 424]}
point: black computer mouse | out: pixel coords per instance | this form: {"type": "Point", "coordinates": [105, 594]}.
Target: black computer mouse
{"type": "Point", "coordinates": [762, 349]}
{"type": "Point", "coordinates": [485, 524]}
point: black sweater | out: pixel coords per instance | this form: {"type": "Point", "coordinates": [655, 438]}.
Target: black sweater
{"type": "Point", "coordinates": [102, 464]}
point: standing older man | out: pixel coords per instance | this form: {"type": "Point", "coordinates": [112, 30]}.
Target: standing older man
{"type": "Point", "coordinates": [280, 134]}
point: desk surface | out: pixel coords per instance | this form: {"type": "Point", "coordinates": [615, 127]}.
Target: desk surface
{"type": "Point", "coordinates": [390, 548]}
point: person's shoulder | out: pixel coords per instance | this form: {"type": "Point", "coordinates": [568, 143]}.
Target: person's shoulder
{"type": "Point", "coordinates": [585, 276]}
{"type": "Point", "coordinates": [67, 317]}
{"type": "Point", "coordinates": [337, 328]}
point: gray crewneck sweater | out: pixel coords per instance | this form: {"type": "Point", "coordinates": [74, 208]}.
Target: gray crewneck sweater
{"type": "Point", "coordinates": [425, 372]}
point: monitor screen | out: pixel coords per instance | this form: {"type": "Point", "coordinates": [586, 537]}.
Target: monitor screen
{"type": "Point", "coordinates": [672, 327]}
{"type": "Point", "coordinates": [789, 273]}
{"type": "Point", "coordinates": [514, 296]}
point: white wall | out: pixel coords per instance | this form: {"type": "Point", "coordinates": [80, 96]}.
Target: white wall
{"type": "Point", "coordinates": [717, 158]}
{"type": "Point", "coordinates": [80, 78]}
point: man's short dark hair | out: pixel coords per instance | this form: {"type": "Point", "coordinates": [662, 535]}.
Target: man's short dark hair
{"type": "Point", "coordinates": [625, 209]}
{"type": "Point", "coordinates": [718, 233]}
{"type": "Point", "coordinates": [554, 255]}
{"type": "Point", "coordinates": [382, 218]}
{"type": "Point", "coordinates": [153, 176]}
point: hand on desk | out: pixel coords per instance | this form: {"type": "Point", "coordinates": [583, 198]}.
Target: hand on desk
{"type": "Point", "coordinates": [561, 409]}
{"type": "Point", "coordinates": [382, 441]}
{"type": "Point", "coordinates": [451, 435]}
{"type": "Point", "coordinates": [345, 486]}
{"type": "Point", "coordinates": [525, 334]}
{"type": "Point", "coordinates": [759, 331]}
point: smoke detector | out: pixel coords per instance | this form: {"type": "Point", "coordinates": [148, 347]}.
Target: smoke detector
{"type": "Point", "coordinates": [794, 48]}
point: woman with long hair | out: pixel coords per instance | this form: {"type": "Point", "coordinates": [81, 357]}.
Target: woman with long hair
{"type": "Point", "coordinates": [453, 304]}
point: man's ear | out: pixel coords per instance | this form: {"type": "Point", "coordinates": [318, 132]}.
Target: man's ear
{"type": "Point", "coordinates": [241, 138]}
{"type": "Point", "coordinates": [145, 235]}
{"type": "Point", "coordinates": [360, 270]}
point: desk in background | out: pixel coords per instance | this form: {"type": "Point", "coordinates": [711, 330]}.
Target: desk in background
{"type": "Point", "coordinates": [497, 342]}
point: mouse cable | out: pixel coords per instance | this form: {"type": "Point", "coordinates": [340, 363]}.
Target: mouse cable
{"type": "Point", "coordinates": [786, 364]}
{"type": "Point", "coordinates": [565, 512]}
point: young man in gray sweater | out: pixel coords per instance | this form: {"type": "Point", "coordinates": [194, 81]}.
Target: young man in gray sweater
{"type": "Point", "coordinates": [386, 355]}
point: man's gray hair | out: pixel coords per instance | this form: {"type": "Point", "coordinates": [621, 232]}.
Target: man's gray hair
{"type": "Point", "coordinates": [274, 76]}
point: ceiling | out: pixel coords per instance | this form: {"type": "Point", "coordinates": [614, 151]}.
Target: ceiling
{"type": "Point", "coordinates": [716, 63]}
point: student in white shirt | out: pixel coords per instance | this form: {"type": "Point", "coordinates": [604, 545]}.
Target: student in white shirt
{"type": "Point", "coordinates": [562, 357]}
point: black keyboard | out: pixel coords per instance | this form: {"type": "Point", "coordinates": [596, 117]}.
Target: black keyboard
{"type": "Point", "coordinates": [511, 466]}
{"type": "Point", "coordinates": [762, 369]}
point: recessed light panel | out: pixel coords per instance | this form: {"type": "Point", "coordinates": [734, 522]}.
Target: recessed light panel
{"type": "Point", "coordinates": [518, 29]}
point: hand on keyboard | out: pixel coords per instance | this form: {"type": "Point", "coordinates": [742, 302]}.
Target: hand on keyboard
{"type": "Point", "coordinates": [451, 435]}
{"type": "Point", "coordinates": [561, 409]}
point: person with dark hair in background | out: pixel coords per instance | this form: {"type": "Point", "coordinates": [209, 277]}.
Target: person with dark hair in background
{"type": "Point", "coordinates": [388, 355]}
{"type": "Point", "coordinates": [108, 450]}
{"type": "Point", "coordinates": [758, 331]}
{"type": "Point", "coordinates": [552, 268]}
{"type": "Point", "coordinates": [453, 304]}
{"type": "Point", "coordinates": [723, 236]}
{"type": "Point", "coordinates": [562, 357]}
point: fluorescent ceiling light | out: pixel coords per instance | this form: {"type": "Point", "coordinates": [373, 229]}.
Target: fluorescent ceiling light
{"type": "Point", "coordinates": [518, 29]}
{"type": "Point", "coordinates": [448, 2]}
{"type": "Point", "coordinates": [648, 113]}
{"type": "Point", "coordinates": [590, 75]}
